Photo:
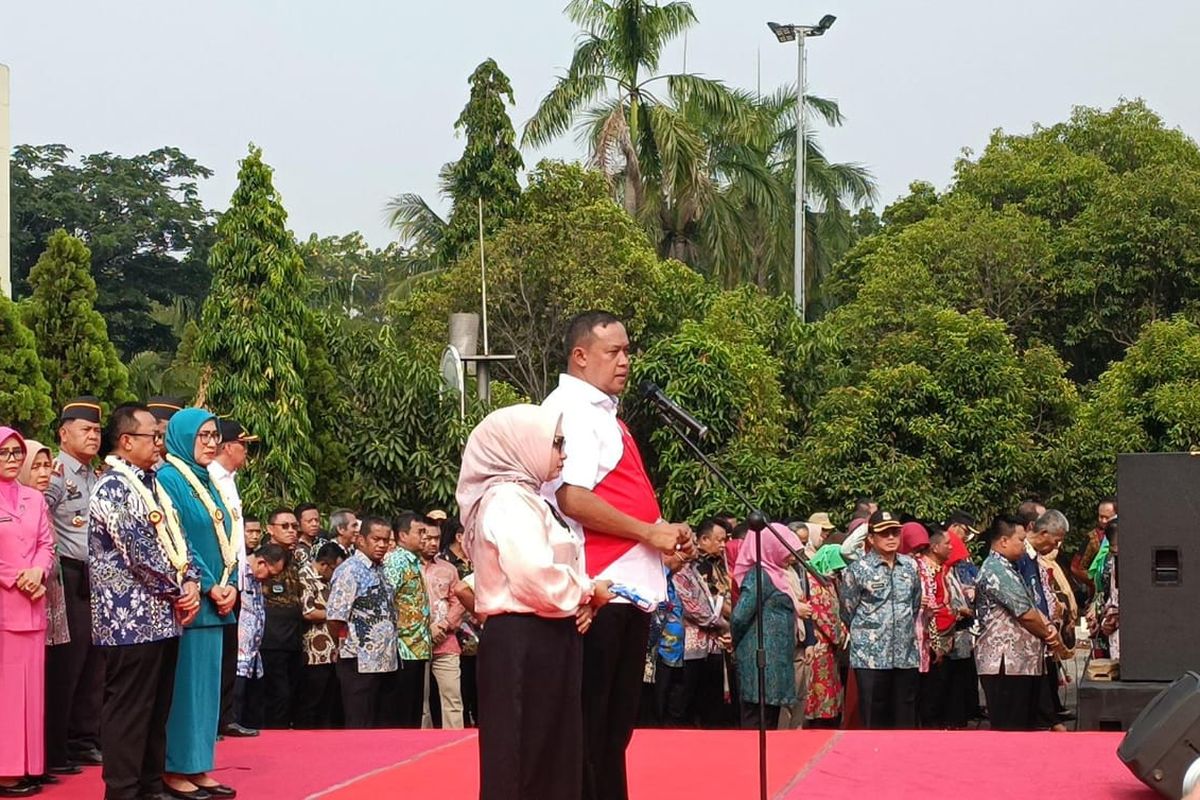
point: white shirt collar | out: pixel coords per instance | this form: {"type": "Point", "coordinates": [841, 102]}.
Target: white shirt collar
{"type": "Point", "coordinates": [588, 392]}
{"type": "Point", "coordinates": [217, 470]}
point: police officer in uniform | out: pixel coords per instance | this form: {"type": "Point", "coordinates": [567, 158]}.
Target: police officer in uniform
{"type": "Point", "coordinates": [74, 671]}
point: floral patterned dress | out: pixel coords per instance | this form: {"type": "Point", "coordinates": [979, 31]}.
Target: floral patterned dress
{"type": "Point", "coordinates": [824, 699]}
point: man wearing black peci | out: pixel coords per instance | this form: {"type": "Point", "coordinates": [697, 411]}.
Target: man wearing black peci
{"type": "Point", "coordinates": [606, 496]}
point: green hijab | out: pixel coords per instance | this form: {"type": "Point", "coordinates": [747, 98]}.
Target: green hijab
{"type": "Point", "coordinates": [828, 559]}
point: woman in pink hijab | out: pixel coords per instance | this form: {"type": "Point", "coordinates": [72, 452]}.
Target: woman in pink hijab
{"type": "Point", "coordinates": [531, 585]}
{"type": "Point", "coordinates": [782, 609]}
{"type": "Point", "coordinates": [26, 558]}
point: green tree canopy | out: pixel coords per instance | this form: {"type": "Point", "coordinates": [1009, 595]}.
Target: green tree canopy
{"type": "Point", "coordinates": [571, 249]}
{"type": "Point", "coordinates": [140, 215]}
{"type": "Point", "coordinates": [1147, 402]}
{"type": "Point", "coordinates": [256, 337]}
{"type": "Point", "coordinates": [72, 337]}
{"type": "Point", "coordinates": [24, 393]}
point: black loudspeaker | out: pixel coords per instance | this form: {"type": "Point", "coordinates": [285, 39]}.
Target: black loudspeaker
{"type": "Point", "coordinates": [1164, 740]}
{"type": "Point", "coordinates": [1159, 564]}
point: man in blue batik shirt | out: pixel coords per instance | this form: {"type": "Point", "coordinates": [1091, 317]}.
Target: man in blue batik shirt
{"type": "Point", "coordinates": [144, 589]}
{"type": "Point", "coordinates": [880, 597]}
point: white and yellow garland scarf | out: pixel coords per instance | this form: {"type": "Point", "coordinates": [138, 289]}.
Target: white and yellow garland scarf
{"type": "Point", "coordinates": [228, 550]}
{"type": "Point", "coordinates": [161, 514]}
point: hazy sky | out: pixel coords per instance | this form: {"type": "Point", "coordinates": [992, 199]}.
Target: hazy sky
{"type": "Point", "coordinates": [354, 101]}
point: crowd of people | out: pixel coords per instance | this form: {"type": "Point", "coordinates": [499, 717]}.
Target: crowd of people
{"type": "Point", "coordinates": [143, 615]}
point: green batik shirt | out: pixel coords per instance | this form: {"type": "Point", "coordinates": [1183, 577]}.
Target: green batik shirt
{"type": "Point", "coordinates": [402, 571]}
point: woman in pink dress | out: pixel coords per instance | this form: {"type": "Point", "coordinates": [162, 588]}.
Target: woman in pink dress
{"type": "Point", "coordinates": [26, 557]}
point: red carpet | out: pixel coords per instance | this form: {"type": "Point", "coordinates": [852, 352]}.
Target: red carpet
{"type": "Point", "coordinates": [985, 764]}
{"type": "Point", "coordinates": [803, 765]}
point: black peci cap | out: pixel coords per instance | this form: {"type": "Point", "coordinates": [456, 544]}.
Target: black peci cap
{"type": "Point", "coordinates": [86, 408]}
{"type": "Point", "coordinates": [163, 407]}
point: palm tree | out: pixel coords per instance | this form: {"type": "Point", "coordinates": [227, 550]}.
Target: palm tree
{"type": "Point", "coordinates": [708, 170]}
{"type": "Point", "coordinates": [612, 78]}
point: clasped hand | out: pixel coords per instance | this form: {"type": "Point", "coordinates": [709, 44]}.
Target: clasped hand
{"type": "Point", "coordinates": [584, 615]}
{"type": "Point", "coordinates": [187, 605]}
{"type": "Point", "coordinates": [31, 581]}
{"type": "Point", "coordinates": [673, 538]}
{"type": "Point", "coordinates": [223, 597]}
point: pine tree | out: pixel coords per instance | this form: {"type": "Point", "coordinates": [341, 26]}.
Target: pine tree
{"type": "Point", "coordinates": [24, 393]}
{"type": "Point", "coordinates": [72, 338]}
{"type": "Point", "coordinates": [255, 333]}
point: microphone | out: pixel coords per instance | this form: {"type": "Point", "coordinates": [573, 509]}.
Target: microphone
{"type": "Point", "coordinates": [668, 408]}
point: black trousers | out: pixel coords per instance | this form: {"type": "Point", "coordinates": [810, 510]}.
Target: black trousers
{"type": "Point", "coordinates": [408, 694]}
{"type": "Point", "coordinates": [139, 681]}
{"type": "Point", "coordinates": [1011, 700]}
{"type": "Point", "coordinates": [470, 692]}
{"type": "Point", "coordinates": [707, 676]}
{"type": "Point", "coordinates": [689, 696]}
{"type": "Point", "coordinates": [363, 694]}
{"type": "Point", "coordinates": [248, 699]}
{"type": "Point", "coordinates": [530, 671]}
{"type": "Point", "coordinates": [962, 692]}
{"type": "Point", "coordinates": [750, 716]}
{"type": "Point", "coordinates": [74, 675]}
{"type": "Point", "coordinates": [281, 686]}
{"type": "Point", "coordinates": [229, 648]}
{"type": "Point", "coordinates": [671, 695]}
{"type": "Point", "coordinates": [614, 657]}
{"type": "Point", "coordinates": [731, 710]}
{"type": "Point", "coordinates": [887, 698]}
{"type": "Point", "coordinates": [320, 698]}
{"type": "Point", "coordinates": [933, 696]}
{"type": "Point", "coordinates": [1049, 704]}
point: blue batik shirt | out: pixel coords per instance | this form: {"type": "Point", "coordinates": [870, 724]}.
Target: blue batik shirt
{"type": "Point", "coordinates": [879, 605]}
{"type": "Point", "coordinates": [1031, 573]}
{"type": "Point", "coordinates": [133, 585]}
{"type": "Point", "coordinates": [671, 636]}
{"type": "Point", "coordinates": [361, 597]}
{"type": "Point", "coordinates": [252, 621]}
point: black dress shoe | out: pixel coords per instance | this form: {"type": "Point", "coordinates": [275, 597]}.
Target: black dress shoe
{"type": "Point", "coordinates": [197, 794]}
{"type": "Point", "coordinates": [69, 768]}
{"type": "Point", "coordinates": [20, 789]}
{"type": "Point", "coordinates": [43, 780]}
{"type": "Point", "coordinates": [88, 758]}
{"type": "Point", "coordinates": [234, 729]}
{"type": "Point", "coordinates": [220, 790]}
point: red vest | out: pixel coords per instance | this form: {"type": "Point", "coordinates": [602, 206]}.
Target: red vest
{"type": "Point", "coordinates": [627, 488]}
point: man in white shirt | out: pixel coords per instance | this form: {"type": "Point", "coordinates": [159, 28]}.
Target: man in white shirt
{"type": "Point", "coordinates": [606, 497]}
{"type": "Point", "coordinates": [231, 456]}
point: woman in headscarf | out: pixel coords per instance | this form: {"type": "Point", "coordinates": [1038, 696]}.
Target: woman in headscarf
{"type": "Point", "coordinates": [192, 440]}
{"type": "Point", "coordinates": [823, 705]}
{"type": "Point", "coordinates": [26, 558]}
{"type": "Point", "coordinates": [531, 586]}
{"type": "Point", "coordinates": [782, 621]}
{"type": "Point", "coordinates": [35, 473]}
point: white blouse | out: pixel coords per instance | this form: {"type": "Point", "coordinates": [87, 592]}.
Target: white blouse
{"type": "Point", "coordinates": [526, 561]}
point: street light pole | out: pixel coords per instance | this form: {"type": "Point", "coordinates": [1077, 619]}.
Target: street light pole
{"type": "Point", "coordinates": [798, 257]}
{"type": "Point", "coordinates": [787, 33]}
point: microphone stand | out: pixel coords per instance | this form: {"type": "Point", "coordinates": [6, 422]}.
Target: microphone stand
{"type": "Point", "coordinates": [757, 521]}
